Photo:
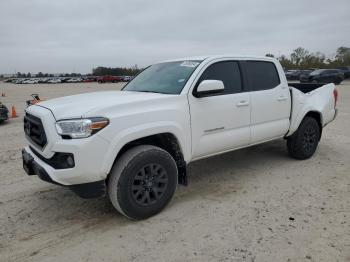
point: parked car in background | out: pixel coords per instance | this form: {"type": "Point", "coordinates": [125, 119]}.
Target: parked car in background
{"type": "Point", "coordinates": [89, 79]}
{"type": "Point", "coordinates": [18, 80]}
{"type": "Point", "coordinates": [324, 76]}
{"type": "Point", "coordinates": [3, 113]}
{"type": "Point", "coordinates": [54, 81]}
{"type": "Point", "coordinates": [293, 74]}
{"type": "Point", "coordinates": [296, 74]}
{"type": "Point", "coordinates": [30, 81]}
{"type": "Point", "coordinates": [74, 80]}
{"type": "Point", "coordinates": [110, 79]}
{"type": "Point", "coordinates": [345, 70]}
{"type": "Point", "coordinates": [127, 78]}
{"type": "Point", "coordinates": [43, 80]}
{"type": "Point", "coordinates": [64, 79]}
{"type": "Point", "coordinates": [305, 73]}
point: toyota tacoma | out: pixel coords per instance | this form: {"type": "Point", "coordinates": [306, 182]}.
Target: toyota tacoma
{"type": "Point", "coordinates": [134, 145]}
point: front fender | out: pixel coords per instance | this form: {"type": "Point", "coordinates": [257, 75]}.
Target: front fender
{"type": "Point", "coordinates": [136, 132]}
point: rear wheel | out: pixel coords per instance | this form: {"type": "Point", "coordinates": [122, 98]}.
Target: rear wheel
{"type": "Point", "coordinates": [142, 182]}
{"type": "Point", "coordinates": [303, 143]}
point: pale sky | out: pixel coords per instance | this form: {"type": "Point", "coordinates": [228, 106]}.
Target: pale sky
{"type": "Point", "coordinates": [76, 35]}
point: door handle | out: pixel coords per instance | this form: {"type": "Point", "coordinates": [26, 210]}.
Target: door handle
{"type": "Point", "coordinates": [242, 103]}
{"type": "Point", "coordinates": [282, 98]}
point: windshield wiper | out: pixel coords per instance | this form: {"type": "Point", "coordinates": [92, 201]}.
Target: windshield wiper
{"type": "Point", "coordinates": [148, 91]}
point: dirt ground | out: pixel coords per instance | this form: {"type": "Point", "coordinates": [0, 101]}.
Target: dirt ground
{"type": "Point", "coordinates": [255, 204]}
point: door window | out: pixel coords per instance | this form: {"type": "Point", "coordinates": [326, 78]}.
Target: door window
{"type": "Point", "coordinates": [262, 75]}
{"type": "Point", "coordinates": [228, 72]}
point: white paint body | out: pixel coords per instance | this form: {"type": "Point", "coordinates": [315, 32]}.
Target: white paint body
{"type": "Point", "coordinates": [203, 126]}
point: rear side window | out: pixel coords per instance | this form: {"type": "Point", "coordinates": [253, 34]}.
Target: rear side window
{"type": "Point", "coordinates": [228, 72]}
{"type": "Point", "coordinates": [262, 75]}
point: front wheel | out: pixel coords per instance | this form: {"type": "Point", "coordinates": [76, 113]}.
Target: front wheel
{"type": "Point", "coordinates": [142, 182]}
{"type": "Point", "coordinates": [303, 143]}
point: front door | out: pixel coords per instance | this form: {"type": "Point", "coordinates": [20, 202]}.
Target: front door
{"type": "Point", "coordinates": [220, 122]}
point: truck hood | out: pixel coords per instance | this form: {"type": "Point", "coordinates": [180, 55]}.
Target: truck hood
{"type": "Point", "coordinates": [78, 106]}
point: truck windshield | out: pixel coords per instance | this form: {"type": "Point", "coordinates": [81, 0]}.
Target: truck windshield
{"type": "Point", "coordinates": [165, 78]}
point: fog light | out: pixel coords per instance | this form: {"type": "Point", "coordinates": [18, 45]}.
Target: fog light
{"type": "Point", "coordinates": [70, 161]}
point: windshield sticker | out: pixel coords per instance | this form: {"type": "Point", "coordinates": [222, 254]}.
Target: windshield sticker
{"type": "Point", "coordinates": [189, 64]}
{"type": "Point", "coordinates": [181, 80]}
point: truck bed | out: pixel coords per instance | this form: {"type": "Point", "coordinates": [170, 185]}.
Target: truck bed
{"type": "Point", "coordinates": [306, 87]}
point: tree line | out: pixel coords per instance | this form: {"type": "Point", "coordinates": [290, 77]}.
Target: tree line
{"type": "Point", "coordinates": [302, 58]}
{"type": "Point", "coordinates": [115, 71]}
{"type": "Point", "coordinates": [99, 71]}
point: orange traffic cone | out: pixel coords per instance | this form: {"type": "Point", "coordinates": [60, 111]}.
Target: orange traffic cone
{"type": "Point", "coordinates": [13, 113]}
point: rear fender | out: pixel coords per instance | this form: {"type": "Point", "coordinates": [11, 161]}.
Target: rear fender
{"type": "Point", "coordinates": [320, 101]}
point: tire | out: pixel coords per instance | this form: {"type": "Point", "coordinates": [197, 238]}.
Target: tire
{"type": "Point", "coordinates": [303, 143]}
{"type": "Point", "coordinates": [142, 182]}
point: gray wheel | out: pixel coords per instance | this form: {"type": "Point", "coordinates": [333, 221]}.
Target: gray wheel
{"type": "Point", "coordinates": [303, 143]}
{"type": "Point", "coordinates": [142, 182]}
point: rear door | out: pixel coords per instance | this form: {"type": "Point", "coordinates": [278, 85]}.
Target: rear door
{"type": "Point", "coordinates": [270, 101]}
{"type": "Point", "coordinates": [220, 122]}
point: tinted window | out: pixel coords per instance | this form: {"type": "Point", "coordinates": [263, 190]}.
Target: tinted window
{"type": "Point", "coordinates": [262, 75]}
{"type": "Point", "coordinates": [228, 72]}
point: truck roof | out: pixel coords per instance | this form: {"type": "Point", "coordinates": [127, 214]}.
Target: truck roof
{"type": "Point", "coordinates": [212, 57]}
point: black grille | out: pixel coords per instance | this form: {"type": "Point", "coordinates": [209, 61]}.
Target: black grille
{"type": "Point", "coordinates": [34, 129]}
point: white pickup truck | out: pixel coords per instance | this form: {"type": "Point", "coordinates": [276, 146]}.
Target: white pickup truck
{"type": "Point", "coordinates": [135, 144]}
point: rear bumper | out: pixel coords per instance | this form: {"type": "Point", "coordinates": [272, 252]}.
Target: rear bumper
{"type": "Point", "coordinates": [32, 166]}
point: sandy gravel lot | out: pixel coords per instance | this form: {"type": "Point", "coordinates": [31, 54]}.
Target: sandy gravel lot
{"type": "Point", "coordinates": [254, 204]}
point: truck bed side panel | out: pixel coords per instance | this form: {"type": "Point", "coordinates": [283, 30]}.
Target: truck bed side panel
{"type": "Point", "coordinates": [320, 100]}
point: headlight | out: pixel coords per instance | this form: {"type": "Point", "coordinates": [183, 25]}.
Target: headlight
{"type": "Point", "coordinates": [80, 128]}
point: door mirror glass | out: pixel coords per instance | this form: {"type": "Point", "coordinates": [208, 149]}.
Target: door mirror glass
{"type": "Point", "coordinates": [209, 87]}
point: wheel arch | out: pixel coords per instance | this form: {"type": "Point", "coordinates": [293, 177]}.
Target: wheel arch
{"type": "Point", "coordinates": [165, 140]}
{"type": "Point", "coordinates": [317, 115]}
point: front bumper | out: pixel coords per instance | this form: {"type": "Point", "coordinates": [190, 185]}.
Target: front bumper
{"type": "Point", "coordinates": [3, 114]}
{"type": "Point", "coordinates": [86, 190]}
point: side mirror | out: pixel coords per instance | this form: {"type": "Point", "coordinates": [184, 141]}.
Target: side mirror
{"type": "Point", "coordinates": [209, 87]}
